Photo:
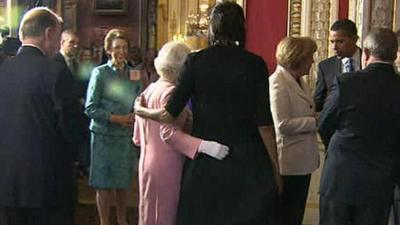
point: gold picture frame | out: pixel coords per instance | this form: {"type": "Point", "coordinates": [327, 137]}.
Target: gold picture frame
{"type": "Point", "coordinates": [396, 15]}
{"type": "Point", "coordinates": [110, 7]}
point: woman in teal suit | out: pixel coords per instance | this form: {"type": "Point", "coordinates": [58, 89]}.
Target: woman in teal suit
{"type": "Point", "coordinates": [110, 96]}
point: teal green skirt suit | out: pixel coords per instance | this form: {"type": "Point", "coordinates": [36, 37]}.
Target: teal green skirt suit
{"type": "Point", "coordinates": [113, 156]}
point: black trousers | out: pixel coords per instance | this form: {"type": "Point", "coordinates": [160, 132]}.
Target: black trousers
{"type": "Point", "coordinates": [396, 205]}
{"type": "Point", "coordinates": [36, 216]}
{"type": "Point", "coordinates": [340, 213]}
{"type": "Point", "coordinates": [292, 201]}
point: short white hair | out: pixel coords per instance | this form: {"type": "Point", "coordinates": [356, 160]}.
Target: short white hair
{"type": "Point", "coordinates": [36, 20]}
{"type": "Point", "coordinates": [171, 58]}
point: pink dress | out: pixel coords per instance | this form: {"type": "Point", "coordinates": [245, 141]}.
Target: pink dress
{"type": "Point", "coordinates": [163, 150]}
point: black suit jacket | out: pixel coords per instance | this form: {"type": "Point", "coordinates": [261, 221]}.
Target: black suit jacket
{"type": "Point", "coordinates": [80, 126]}
{"type": "Point", "coordinates": [79, 87]}
{"type": "Point", "coordinates": [328, 69]}
{"type": "Point", "coordinates": [361, 124]}
{"type": "Point", "coordinates": [36, 162]}
{"type": "Point", "coordinates": [60, 58]}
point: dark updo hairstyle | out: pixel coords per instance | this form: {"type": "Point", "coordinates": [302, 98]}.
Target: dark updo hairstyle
{"type": "Point", "coordinates": [227, 25]}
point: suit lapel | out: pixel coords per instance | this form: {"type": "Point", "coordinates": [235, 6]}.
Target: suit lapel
{"type": "Point", "coordinates": [302, 91]}
{"type": "Point", "coordinates": [337, 66]}
{"type": "Point", "coordinates": [337, 63]}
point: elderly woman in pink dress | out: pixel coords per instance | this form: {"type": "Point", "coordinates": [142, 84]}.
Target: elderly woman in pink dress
{"type": "Point", "coordinates": [164, 146]}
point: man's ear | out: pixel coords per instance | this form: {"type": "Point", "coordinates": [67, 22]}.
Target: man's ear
{"type": "Point", "coordinates": [355, 38]}
{"type": "Point", "coordinates": [366, 55]}
{"type": "Point", "coordinates": [48, 33]}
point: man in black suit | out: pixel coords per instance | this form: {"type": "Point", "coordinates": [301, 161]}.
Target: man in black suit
{"type": "Point", "coordinates": [361, 124]}
{"type": "Point", "coordinates": [69, 47]}
{"type": "Point", "coordinates": [343, 36]}
{"type": "Point", "coordinates": [36, 116]}
{"type": "Point", "coordinates": [68, 57]}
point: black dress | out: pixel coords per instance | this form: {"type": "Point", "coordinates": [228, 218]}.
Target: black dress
{"type": "Point", "coordinates": [228, 88]}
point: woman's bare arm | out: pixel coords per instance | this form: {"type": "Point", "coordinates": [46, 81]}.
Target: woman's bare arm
{"type": "Point", "coordinates": [268, 136]}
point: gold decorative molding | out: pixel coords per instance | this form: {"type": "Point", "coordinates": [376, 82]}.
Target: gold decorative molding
{"type": "Point", "coordinates": [380, 19]}
{"type": "Point", "coordinates": [320, 32]}
{"type": "Point", "coordinates": [3, 9]}
{"type": "Point", "coordinates": [367, 14]}
{"type": "Point", "coordinates": [294, 17]}
{"type": "Point", "coordinates": [396, 15]}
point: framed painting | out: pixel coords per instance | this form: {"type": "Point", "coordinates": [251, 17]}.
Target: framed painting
{"type": "Point", "coordinates": [110, 7]}
{"type": "Point", "coordinates": [70, 15]}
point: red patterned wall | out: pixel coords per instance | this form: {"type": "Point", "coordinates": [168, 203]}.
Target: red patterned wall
{"type": "Point", "coordinates": [343, 9]}
{"type": "Point", "coordinates": [266, 26]}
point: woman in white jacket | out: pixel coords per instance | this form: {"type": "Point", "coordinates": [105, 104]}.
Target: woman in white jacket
{"type": "Point", "coordinates": [295, 122]}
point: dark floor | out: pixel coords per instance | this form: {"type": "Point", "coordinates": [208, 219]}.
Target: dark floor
{"type": "Point", "coordinates": [86, 213]}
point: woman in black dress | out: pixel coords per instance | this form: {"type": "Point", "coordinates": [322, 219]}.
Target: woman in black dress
{"type": "Point", "coordinates": [228, 87]}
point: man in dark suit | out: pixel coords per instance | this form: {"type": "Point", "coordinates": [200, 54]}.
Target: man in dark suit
{"type": "Point", "coordinates": [68, 57]}
{"type": "Point", "coordinates": [69, 47]}
{"type": "Point", "coordinates": [360, 123]}
{"type": "Point", "coordinates": [343, 36]}
{"type": "Point", "coordinates": [36, 117]}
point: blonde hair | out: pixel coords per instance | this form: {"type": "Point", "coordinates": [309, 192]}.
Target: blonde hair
{"type": "Point", "coordinates": [291, 51]}
{"type": "Point", "coordinates": [36, 20]}
{"type": "Point", "coordinates": [112, 35]}
{"type": "Point", "coordinates": [171, 58]}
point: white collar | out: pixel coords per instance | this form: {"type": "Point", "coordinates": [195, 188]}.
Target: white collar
{"type": "Point", "coordinates": [356, 60]}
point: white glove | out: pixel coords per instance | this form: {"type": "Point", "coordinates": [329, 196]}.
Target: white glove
{"type": "Point", "coordinates": [213, 149]}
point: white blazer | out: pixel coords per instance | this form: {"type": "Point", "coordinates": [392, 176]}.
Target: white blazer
{"type": "Point", "coordinates": [293, 110]}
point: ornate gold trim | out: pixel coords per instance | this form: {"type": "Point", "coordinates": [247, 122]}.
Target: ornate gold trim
{"type": "Point", "coordinates": [294, 17]}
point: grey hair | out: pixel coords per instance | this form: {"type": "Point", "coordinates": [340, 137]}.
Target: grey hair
{"type": "Point", "coordinates": [171, 58]}
{"type": "Point", "coordinates": [36, 20]}
{"type": "Point", "coordinates": [382, 44]}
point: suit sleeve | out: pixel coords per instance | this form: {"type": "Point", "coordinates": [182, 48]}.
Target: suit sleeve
{"type": "Point", "coordinates": [263, 116]}
{"type": "Point", "coordinates": [173, 135]}
{"type": "Point", "coordinates": [72, 117]}
{"type": "Point", "coordinates": [282, 108]}
{"type": "Point", "coordinates": [321, 89]}
{"type": "Point", "coordinates": [183, 90]}
{"type": "Point", "coordinates": [94, 94]}
{"type": "Point", "coordinates": [330, 115]}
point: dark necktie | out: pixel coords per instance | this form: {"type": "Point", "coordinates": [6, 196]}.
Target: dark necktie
{"type": "Point", "coordinates": [72, 65]}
